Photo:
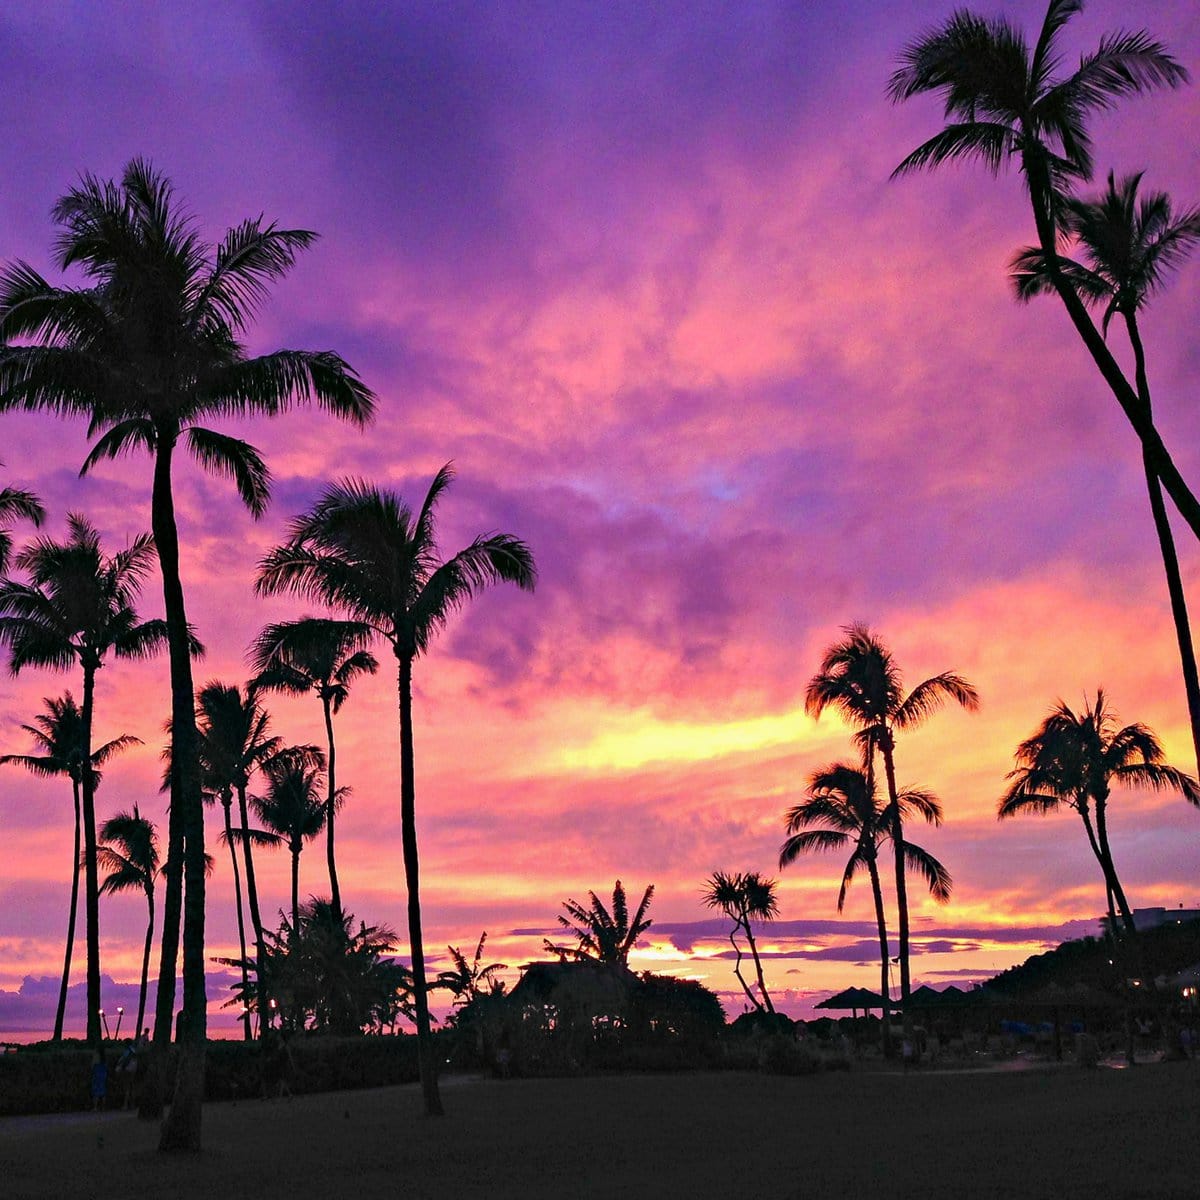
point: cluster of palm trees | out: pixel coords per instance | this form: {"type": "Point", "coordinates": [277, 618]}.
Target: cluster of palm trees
{"type": "Point", "coordinates": [148, 351]}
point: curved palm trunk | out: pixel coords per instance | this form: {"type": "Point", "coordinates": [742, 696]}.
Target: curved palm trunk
{"type": "Point", "coordinates": [1166, 545]}
{"type": "Point", "coordinates": [227, 804]}
{"type": "Point", "coordinates": [91, 880]}
{"type": "Point", "coordinates": [1110, 870]}
{"type": "Point", "coordinates": [66, 974]}
{"type": "Point", "coordinates": [137, 1033]}
{"type": "Point", "coordinates": [881, 927]}
{"type": "Point", "coordinates": [762, 983]}
{"type": "Point", "coordinates": [889, 767]}
{"type": "Point", "coordinates": [1126, 397]}
{"type": "Point", "coordinates": [1082, 809]}
{"type": "Point", "coordinates": [261, 968]}
{"type": "Point", "coordinates": [182, 1128]}
{"type": "Point", "coordinates": [737, 969]}
{"type": "Point", "coordinates": [408, 835]}
{"type": "Point", "coordinates": [335, 894]}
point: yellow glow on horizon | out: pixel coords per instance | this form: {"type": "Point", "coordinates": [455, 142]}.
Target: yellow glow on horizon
{"type": "Point", "coordinates": [639, 738]}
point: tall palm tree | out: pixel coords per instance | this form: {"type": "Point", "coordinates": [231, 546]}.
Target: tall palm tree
{"type": "Point", "coordinates": [843, 809]}
{"type": "Point", "coordinates": [234, 741]}
{"type": "Point", "coordinates": [363, 552]}
{"type": "Point", "coordinates": [744, 897]}
{"type": "Point", "coordinates": [293, 810]}
{"type": "Point", "coordinates": [1074, 760]}
{"type": "Point", "coordinates": [860, 679]}
{"type": "Point", "coordinates": [149, 351]}
{"type": "Point", "coordinates": [76, 610]}
{"type": "Point", "coordinates": [1007, 103]}
{"type": "Point", "coordinates": [1128, 244]}
{"type": "Point", "coordinates": [58, 735]}
{"type": "Point", "coordinates": [603, 935]}
{"type": "Point", "coordinates": [16, 504]}
{"type": "Point", "coordinates": [322, 656]}
{"type": "Point", "coordinates": [129, 853]}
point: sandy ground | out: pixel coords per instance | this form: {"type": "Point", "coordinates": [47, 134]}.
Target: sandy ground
{"type": "Point", "coordinates": [1061, 1134]}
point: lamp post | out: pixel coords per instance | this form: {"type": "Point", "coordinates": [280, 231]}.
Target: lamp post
{"type": "Point", "coordinates": [107, 1035]}
{"type": "Point", "coordinates": [120, 1018]}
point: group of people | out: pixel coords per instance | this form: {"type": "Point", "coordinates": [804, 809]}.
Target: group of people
{"type": "Point", "coordinates": [128, 1072]}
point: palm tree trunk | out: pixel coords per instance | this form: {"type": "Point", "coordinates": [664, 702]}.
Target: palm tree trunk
{"type": "Point", "coordinates": [182, 1128]}
{"type": "Point", "coordinates": [1127, 398]}
{"type": "Point", "coordinates": [889, 767]}
{"type": "Point", "coordinates": [881, 926]}
{"type": "Point", "coordinates": [1166, 545]}
{"type": "Point", "coordinates": [737, 969]}
{"type": "Point", "coordinates": [335, 894]}
{"type": "Point", "coordinates": [262, 989]}
{"type": "Point", "coordinates": [137, 1033]}
{"type": "Point", "coordinates": [91, 880]}
{"type": "Point", "coordinates": [66, 975]}
{"type": "Point", "coordinates": [295, 848]}
{"type": "Point", "coordinates": [227, 804]}
{"type": "Point", "coordinates": [762, 983]}
{"type": "Point", "coordinates": [1110, 870]}
{"type": "Point", "coordinates": [408, 835]}
{"type": "Point", "coordinates": [1081, 807]}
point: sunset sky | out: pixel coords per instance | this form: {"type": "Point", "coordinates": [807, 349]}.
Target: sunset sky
{"type": "Point", "coordinates": [639, 271]}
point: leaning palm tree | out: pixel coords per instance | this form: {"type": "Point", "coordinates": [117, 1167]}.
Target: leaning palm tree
{"type": "Point", "coordinates": [364, 552]}
{"type": "Point", "coordinates": [234, 742]}
{"type": "Point", "coordinates": [744, 897]}
{"type": "Point", "coordinates": [860, 679]}
{"type": "Point", "coordinates": [1005, 104]}
{"type": "Point", "coordinates": [321, 656]}
{"type": "Point", "coordinates": [16, 504]}
{"type": "Point", "coordinates": [58, 735]}
{"type": "Point", "coordinates": [602, 934]}
{"type": "Point", "coordinates": [149, 351]}
{"type": "Point", "coordinates": [293, 810]}
{"type": "Point", "coordinates": [843, 809]}
{"type": "Point", "coordinates": [1073, 760]}
{"type": "Point", "coordinates": [129, 853]}
{"type": "Point", "coordinates": [76, 610]}
{"type": "Point", "coordinates": [1128, 245]}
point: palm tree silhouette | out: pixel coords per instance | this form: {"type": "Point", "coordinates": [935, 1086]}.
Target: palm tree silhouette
{"type": "Point", "coordinates": [467, 980]}
{"type": "Point", "coordinates": [1004, 103]}
{"type": "Point", "coordinates": [859, 678]}
{"type": "Point", "coordinates": [58, 735]}
{"type": "Point", "coordinates": [603, 935]}
{"type": "Point", "coordinates": [1074, 759]}
{"type": "Point", "coordinates": [293, 810]}
{"type": "Point", "coordinates": [129, 853]}
{"type": "Point", "coordinates": [76, 609]}
{"type": "Point", "coordinates": [362, 551]}
{"type": "Point", "coordinates": [842, 809]}
{"type": "Point", "coordinates": [744, 897]}
{"type": "Point", "coordinates": [16, 504]}
{"type": "Point", "coordinates": [148, 352]}
{"type": "Point", "coordinates": [233, 743]}
{"type": "Point", "coordinates": [1129, 244]}
{"type": "Point", "coordinates": [316, 654]}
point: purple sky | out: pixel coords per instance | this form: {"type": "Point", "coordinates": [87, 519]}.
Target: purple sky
{"type": "Point", "coordinates": [640, 272]}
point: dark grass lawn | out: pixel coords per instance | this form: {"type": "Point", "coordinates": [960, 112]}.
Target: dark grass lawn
{"type": "Point", "coordinates": [1061, 1133]}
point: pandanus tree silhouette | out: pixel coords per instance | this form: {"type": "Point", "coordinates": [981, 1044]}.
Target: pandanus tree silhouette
{"type": "Point", "coordinates": [602, 934]}
{"type": "Point", "coordinates": [363, 552]}
{"type": "Point", "coordinates": [744, 897]}
{"type": "Point", "coordinates": [150, 351]}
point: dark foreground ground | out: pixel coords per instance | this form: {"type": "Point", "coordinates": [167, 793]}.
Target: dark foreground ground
{"type": "Point", "coordinates": [1060, 1133]}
